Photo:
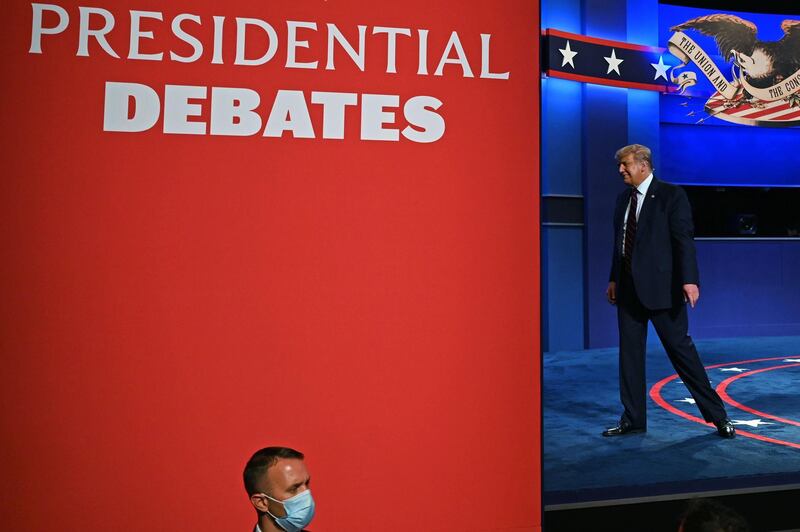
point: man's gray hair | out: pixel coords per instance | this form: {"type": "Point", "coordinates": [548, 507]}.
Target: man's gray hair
{"type": "Point", "coordinates": [641, 154]}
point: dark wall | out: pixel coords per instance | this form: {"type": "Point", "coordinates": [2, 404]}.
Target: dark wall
{"type": "Point", "coordinates": [748, 289]}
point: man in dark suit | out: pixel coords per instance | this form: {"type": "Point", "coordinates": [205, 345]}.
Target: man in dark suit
{"type": "Point", "coordinates": [653, 275]}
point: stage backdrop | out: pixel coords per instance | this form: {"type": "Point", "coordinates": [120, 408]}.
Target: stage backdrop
{"type": "Point", "coordinates": [227, 225]}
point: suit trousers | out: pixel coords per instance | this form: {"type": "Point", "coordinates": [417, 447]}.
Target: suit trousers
{"type": "Point", "coordinates": [672, 326]}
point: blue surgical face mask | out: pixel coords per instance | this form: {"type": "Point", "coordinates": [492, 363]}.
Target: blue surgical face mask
{"type": "Point", "coordinates": [299, 511]}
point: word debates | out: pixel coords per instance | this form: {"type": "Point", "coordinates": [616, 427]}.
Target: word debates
{"type": "Point", "coordinates": [196, 110]}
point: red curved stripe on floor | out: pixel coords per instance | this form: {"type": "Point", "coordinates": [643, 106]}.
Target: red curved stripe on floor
{"type": "Point", "coordinates": [747, 361]}
{"type": "Point", "coordinates": [723, 386]}
{"type": "Point", "coordinates": [767, 439]}
{"type": "Point", "coordinates": [655, 395]}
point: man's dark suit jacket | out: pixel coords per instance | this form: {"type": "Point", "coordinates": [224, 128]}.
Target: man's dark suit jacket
{"type": "Point", "coordinates": [664, 257]}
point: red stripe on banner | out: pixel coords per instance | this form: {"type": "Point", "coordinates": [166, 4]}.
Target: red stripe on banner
{"type": "Point", "coordinates": [737, 109]}
{"type": "Point", "coordinates": [790, 116]}
{"type": "Point", "coordinates": [723, 387]}
{"type": "Point", "coordinates": [606, 81]}
{"type": "Point", "coordinates": [769, 111]}
{"type": "Point", "coordinates": [604, 42]}
{"type": "Point", "coordinates": [655, 395]}
{"type": "Point", "coordinates": [742, 107]}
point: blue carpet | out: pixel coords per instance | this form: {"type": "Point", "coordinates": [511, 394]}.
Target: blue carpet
{"type": "Point", "coordinates": [676, 455]}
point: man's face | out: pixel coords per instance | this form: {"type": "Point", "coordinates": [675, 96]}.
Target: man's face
{"type": "Point", "coordinates": [286, 478]}
{"type": "Point", "coordinates": [632, 172]}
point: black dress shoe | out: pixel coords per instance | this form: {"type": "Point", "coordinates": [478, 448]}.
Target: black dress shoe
{"type": "Point", "coordinates": [725, 428]}
{"type": "Point", "coordinates": [623, 428]}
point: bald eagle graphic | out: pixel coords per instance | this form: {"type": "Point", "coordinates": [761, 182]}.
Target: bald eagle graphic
{"type": "Point", "coordinates": [762, 63]}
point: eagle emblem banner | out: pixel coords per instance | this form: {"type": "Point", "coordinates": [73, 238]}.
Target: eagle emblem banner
{"type": "Point", "coordinates": [764, 84]}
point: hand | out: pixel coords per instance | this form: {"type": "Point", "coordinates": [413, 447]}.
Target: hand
{"type": "Point", "coordinates": [611, 293]}
{"type": "Point", "coordinates": [691, 293]}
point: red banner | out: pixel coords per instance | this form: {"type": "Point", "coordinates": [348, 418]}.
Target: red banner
{"type": "Point", "coordinates": [233, 225]}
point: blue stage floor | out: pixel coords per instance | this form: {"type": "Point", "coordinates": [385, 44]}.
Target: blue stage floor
{"type": "Point", "coordinates": [759, 378]}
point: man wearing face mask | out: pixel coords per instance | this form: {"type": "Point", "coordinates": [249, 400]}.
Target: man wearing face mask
{"type": "Point", "coordinates": [277, 482]}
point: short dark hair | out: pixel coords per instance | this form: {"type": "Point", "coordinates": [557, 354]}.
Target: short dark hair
{"type": "Point", "coordinates": [708, 515]}
{"type": "Point", "coordinates": [261, 461]}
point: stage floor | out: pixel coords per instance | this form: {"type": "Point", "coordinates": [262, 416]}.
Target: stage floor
{"type": "Point", "coordinates": [759, 379]}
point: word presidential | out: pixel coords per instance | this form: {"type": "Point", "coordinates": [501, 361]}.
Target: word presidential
{"type": "Point", "coordinates": [136, 107]}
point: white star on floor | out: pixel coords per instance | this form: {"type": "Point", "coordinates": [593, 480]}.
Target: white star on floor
{"type": "Point", "coordinates": [791, 359]}
{"type": "Point", "coordinates": [755, 423]}
{"type": "Point", "coordinates": [661, 68]}
{"type": "Point", "coordinates": [737, 370]}
{"type": "Point", "coordinates": [688, 400]}
{"type": "Point", "coordinates": [568, 55]}
{"type": "Point", "coordinates": [613, 62]}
